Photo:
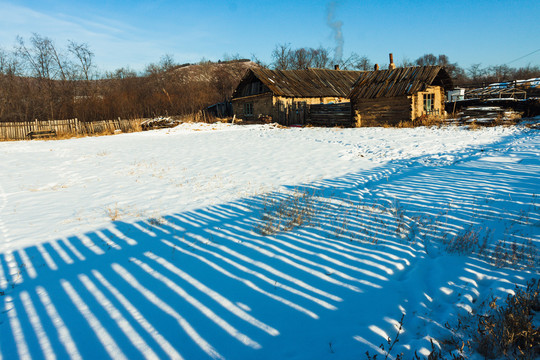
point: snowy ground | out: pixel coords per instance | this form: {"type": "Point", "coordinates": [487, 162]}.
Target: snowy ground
{"type": "Point", "coordinates": [184, 270]}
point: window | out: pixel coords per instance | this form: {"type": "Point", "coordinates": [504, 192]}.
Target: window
{"type": "Point", "coordinates": [248, 109]}
{"type": "Point", "coordinates": [429, 103]}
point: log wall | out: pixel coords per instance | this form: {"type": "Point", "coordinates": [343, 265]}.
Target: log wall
{"type": "Point", "coordinates": [418, 102]}
{"type": "Point", "coordinates": [262, 105]}
{"type": "Point", "coordinates": [330, 114]}
{"type": "Point", "coordinates": [281, 109]}
{"type": "Point", "coordinates": [382, 111]}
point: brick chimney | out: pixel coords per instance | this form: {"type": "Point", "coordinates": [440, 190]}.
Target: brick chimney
{"type": "Point", "coordinates": [336, 67]}
{"type": "Point", "coordinates": [376, 67]}
{"type": "Point", "coordinates": [392, 66]}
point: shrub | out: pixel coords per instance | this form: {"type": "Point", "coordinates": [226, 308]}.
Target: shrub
{"type": "Point", "coordinates": [510, 329]}
{"type": "Point", "coordinates": [467, 241]}
{"type": "Point", "coordinates": [503, 331]}
{"type": "Point", "coordinates": [285, 212]}
{"type": "Point", "coordinates": [515, 255]}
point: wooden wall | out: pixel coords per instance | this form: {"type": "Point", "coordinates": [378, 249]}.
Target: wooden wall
{"type": "Point", "coordinates": [382, 111]}
{"type": "Point", "coordinates": [279, 108]}
{"type": "Point", "coordinates": [393, 110]}
{"type": "Point", "coordinates": [296, 110]}
{"type": "Point", "coordinates": [330, 114]}
{"type": "Point", "coordinates": [418, 102]}
{"type": "Point", "coordinates": [262, 105]}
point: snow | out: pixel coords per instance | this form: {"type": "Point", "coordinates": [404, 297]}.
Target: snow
{"type": "Point", "coordinates": [148, 245]}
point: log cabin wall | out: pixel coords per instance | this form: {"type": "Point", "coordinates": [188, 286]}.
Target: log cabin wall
{"type": "Point", "coordinates": [252, 107]}
{"type": "Point", "coordinates": [419, 107]}
{"type": "Point", "coordinates": [382, 111]}
{"type": "Point", "coordinates": [271, 108]}
{"type": "Point", "coordinates": [310, 100]}
{"type": "Point", "coordinates": [284, 95]}
{"type": "Point", "coordinates": [388, 97]}
{"type": "Point", "coordinates": [296, 110]}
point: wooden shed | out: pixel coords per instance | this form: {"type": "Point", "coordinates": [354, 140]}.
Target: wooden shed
{"type": "Point", "coordinates": [388, 97]}
{"type": "Point", "coordinates": [283, 96]}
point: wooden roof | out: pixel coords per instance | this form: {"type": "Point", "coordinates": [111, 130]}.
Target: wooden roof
{"type": "Point", "coordinates": [399, 81]}
{"type": "Point", "coordinates": [302, 83]}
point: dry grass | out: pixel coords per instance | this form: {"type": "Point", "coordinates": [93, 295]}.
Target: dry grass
{"type": "Point", "coordinates": [502, 119]}
{"type": "Point", "coordinates": [286, 212]}
{"type": "Point", "coordinates": [514, 255]}
{"type": "Point", "coordinates": [496, 331]}
{"type": "Point", "coordinates": [424, 120]}
{"type": "Point", "coordinates": [510, 329]}
{"type": "Point", "coordinates": [135, 126]}
{"type": "Point", "coordinates": [469, 240]}
{"type": "Point", "coordinates": [501, 331]}
{"type": "Point", "coordinates": [157, 221]}
{"type": "Point", "coordinates": [114, 212]}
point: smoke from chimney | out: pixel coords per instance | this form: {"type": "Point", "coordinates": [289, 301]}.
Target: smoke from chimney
{"type": "Point", "coordinates": [335, 25]}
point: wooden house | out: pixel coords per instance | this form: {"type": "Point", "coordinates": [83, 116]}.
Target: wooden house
{"type": "Point", "coordinates": [283, 95]}
{"type": "Point", "coordinates": [399, 95]}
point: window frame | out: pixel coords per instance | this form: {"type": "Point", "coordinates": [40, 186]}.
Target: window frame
{"type": "Point", "coordinates": [248, 109]}
{"type": "Point", "coordinates": [429, 102]}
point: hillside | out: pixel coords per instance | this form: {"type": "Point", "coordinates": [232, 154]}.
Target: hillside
{"type": "Point", "coordinates": [182, 90]}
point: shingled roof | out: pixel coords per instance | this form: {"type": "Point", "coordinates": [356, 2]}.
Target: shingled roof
{"type": "Point", "coordinates": [303, 83]}
{"type": "Point", "coordinates": [399, 81]}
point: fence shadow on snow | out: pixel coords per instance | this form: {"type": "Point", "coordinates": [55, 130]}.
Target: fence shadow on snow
{"type": "Point", "coordinates": [208, 284]}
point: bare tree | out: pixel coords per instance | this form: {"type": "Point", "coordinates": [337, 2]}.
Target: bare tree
{"type": "Point", "coordinates": [320, 58]}
{"type": "Point", "coordinates": [63, 64]}
{"type": "Point", "coordinates": [38, 58]}
{"type": "Point", "coordinates": [301, 58]}
{"type": "Point", "coordinates": [9, 64]}
{"type": "Point", "coordinates": [281, 56]}
{"type": "Point", "coordinates": [405, 62]}
{"type": "Point", "coordinates": [357, 62]}
{"type": "Point", "coordinates": [475, 72]}
{"type": "Point", "coordinates": [501, 72]}
{"type": "Point", "coordinates": [258, 61]}
{"type": "Point", "coordinates": [121, 73]}
{"type": "Point", "coordinates": [427, 59]}
{"type": "Point", "coordinates": [84, 56]}
{"type": "Point", "coordinates": [231, 57]}
{"type": "Point", "coordinates": [166, 62]}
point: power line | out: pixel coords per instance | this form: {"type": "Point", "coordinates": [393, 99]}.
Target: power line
{"type": "Point", "coordinates": [524, 56]}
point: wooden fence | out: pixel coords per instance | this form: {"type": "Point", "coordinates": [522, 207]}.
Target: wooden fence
{"type": "Point", "coordinates": [20, 130]}
{"type": "Point", "coordinates": [292, 114]}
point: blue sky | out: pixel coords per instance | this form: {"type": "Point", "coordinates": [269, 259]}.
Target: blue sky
{"type": "Point", "coordinates": [136, 33]}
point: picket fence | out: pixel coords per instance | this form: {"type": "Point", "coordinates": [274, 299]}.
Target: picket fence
{"type": "Point", "coordinates": [21, 130]}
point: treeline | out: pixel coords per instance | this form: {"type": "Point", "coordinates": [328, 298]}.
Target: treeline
{"type": "Point", "coordinates": [39, 80]}
{"type": "Point", "coordinates": [284, 57]}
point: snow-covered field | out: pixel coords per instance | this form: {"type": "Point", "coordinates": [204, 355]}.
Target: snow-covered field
{"type": "Point", "coordinates": [165, 243]}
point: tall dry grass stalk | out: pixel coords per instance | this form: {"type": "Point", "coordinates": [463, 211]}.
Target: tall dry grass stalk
{"type": "Point", "coordinates": [286, 212]}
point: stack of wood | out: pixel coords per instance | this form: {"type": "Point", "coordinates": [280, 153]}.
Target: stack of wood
{"type": "Point", "coordinates": [487, 115]}
{"type": "Point", "coordinates": [158, 123]}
